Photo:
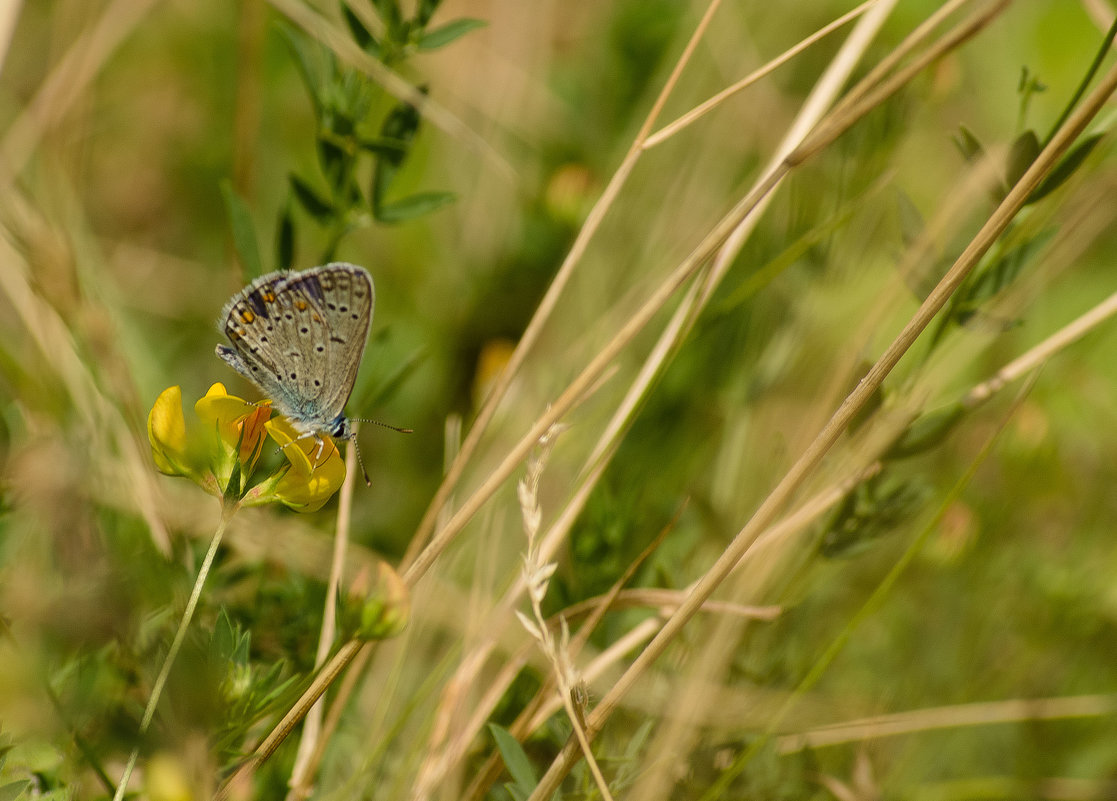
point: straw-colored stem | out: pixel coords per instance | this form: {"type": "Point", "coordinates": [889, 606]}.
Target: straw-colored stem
{"type": "Point", "coordinates": [326, 676]}
{"type": "Point", "coordinates": [66, 83]}
{"type": "Point", "coordinates": [305, 762]}
{"type": "Point", "coordinates": [548, 303]}
{"type": "Point", "coordinates": [873, 603]}
{"type": "Point", "coordinates": [988, 713]}
{"type": "Point", "coordinates": [702, 109]}
{"type": "Point", "coordinates": [838, 423]}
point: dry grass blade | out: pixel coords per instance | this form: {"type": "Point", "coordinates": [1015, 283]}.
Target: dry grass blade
{"type": "Point", "coordinates": [322, 681]}
{"type": "Point", "coordinates": [67, 81]}
{"type": "Point", "coordinates": [950, 717]}
{"type": "Point", "coordinates": [875, 87]}
{"type": "Point", "coordinates": [699, 294]}
{"type": "Point", "coordinates": [8, 16]}
{"type": "Point", "coordinates": [547, 305]}
{"type": "Point", "coordinates": [717, 237]}
{"type": "Point", "coordinates": [595, 610]}
{"type": "Point", "coordinates": [576, 390]}
{"type": "Point", "coordinates": [701, 110]}
{"type": "Point", "coordinates": [751, 322]}
{"type": "Point", "coordinates": [1036, 356]}
{"type": "Point", "coordinates": [826, 438]}
{"type": "Point", "coordinates": [306, 759]}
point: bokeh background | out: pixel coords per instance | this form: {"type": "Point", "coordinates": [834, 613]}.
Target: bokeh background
{"type": "Point", "coordinates": [978, 610]}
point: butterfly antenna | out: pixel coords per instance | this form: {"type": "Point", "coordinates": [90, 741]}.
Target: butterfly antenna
{"type": "Point", "coordinates": [383, 425]}
{"type": "Point", "coordinates": [360, 461]}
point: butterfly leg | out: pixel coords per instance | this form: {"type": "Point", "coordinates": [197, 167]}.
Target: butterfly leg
{"type": "Point", "coordinates": [321, 443]}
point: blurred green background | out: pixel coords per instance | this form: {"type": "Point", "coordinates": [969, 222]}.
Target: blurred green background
{"type": "Point", "coordinates": [123, 120]}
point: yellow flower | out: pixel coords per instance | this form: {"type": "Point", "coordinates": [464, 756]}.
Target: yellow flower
{"type": "Point", "coordinates": [315, 470]}
{"type": "Point", "coordinates": [220, 449]}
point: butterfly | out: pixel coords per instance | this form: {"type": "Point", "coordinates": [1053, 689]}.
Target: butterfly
{"type": "Point", "coordinates": [299, 337]}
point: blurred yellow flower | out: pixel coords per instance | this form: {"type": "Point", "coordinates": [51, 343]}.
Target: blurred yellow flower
{"type": "Point", "coordinates": [219, 451]}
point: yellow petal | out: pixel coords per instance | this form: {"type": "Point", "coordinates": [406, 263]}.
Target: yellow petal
{"type": "Point", "coordinates": [292, 444]}
{"type": "Point", "coordinates": [309, 493]}
{"type": "Point", "coordinates": [220, 407]}
{"type": "Point", "coordinates": [166, 431]}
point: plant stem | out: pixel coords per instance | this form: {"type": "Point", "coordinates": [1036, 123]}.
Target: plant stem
{"type": "Point", "coordinates": [176, 644]}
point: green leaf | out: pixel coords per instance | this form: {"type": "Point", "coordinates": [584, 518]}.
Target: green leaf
{"type": "Point", "coordinates": [223, 639]}
{"type": "Point", "coordinates": [384, 146]}
{"type": "Point", "coordinates": [425, 11]}
{"type": "Point", "coordinates": [232, 491]}
{"type": "Point", "coordinates": [515, 759]}
{"type": "Point", "coordinates": [383, 173]}
{"type": "Point", "coordinates": [973, 151]}
{"type": "Point", "coordinates": [13, 790]}
{"type": "Point", "coordinates": [1002, 272]}
{"type": "Point", "coordinates": [285, 240]}
{"type": "Point", "coordinates": [336, 164]}
{"type": "Point", "coordinates": [400, 126]}
{"type": "Point", "coordinates": [871, 511]}
{"type": "Point", "coordinates": [393, 19]}
{"type": "Point", "coordinates": [444, 34]}
{"type": "Point", "coordinates": [1020, 157]}
{"type": "Point", "coordinates": [1065, 168]}
{"type": "Point", "coordinates": [927, 431]}
{"type": "Point", "coordinates": [308, 66]}
{"type": "Point", "coordinates": [243, 646]}
{"type": "Point", "coordinates": [969, 145]}
{"type": "Point", "coordinates": [361, 35]}
{"type": "Point", "coordinates": [413, 206]}
{"type": "Point", "coordinates": [315, 205]}
{"type": "Point", "coordinates": [272, 686]}
{"type": "Point", "coordinates": [244, 232]}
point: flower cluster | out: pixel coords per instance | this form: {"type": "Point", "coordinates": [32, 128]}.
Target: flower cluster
{"type": "Point", "coordinates": [219, 448]}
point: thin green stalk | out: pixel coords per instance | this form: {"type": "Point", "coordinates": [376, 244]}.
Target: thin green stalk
{"type": "Point", "coordinates": [176, 644]}
{"type": "Point", "coordinates": [1084, 84]}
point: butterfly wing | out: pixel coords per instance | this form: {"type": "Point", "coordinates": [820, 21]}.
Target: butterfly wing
{"type": "Point", "coordinates": [300, 338]}
{"type": "Point", "coordinates": [343, 295]}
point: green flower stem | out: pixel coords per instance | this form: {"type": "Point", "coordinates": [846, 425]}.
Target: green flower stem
{"type": "Point", "coordinates": [176, 644]}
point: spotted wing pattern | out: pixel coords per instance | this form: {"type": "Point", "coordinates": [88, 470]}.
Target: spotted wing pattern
{"type": "Point", "coordinates": [299, 337]}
